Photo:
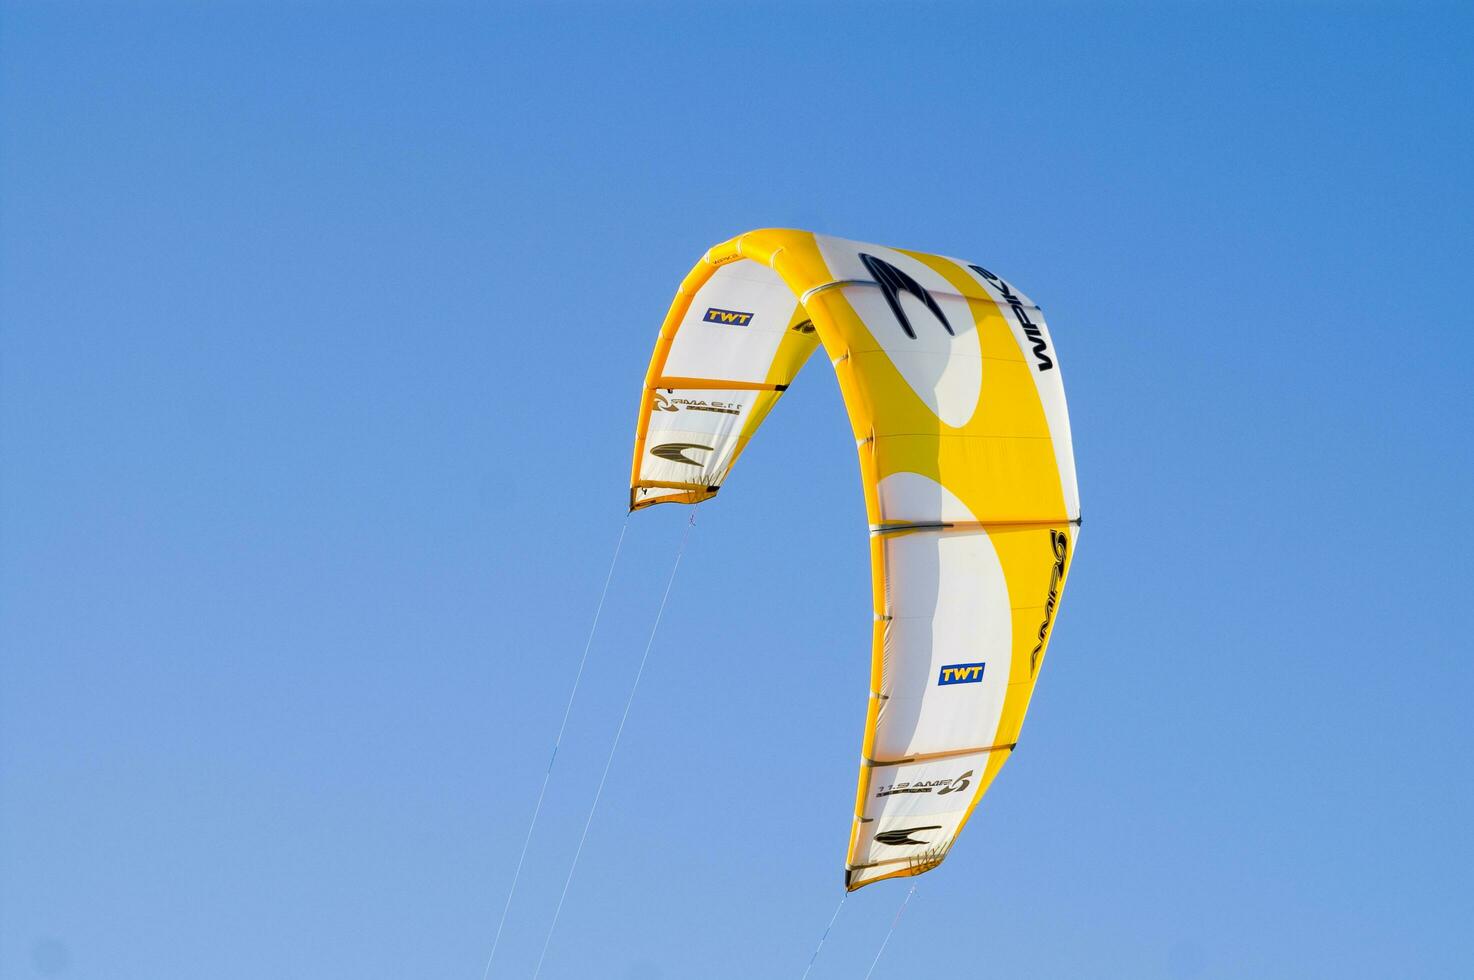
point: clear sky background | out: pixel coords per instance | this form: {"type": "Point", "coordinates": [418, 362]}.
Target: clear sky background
{"type": "Point", "coordinates": [323, 330]}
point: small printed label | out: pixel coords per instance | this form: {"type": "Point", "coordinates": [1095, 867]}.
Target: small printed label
{"type": "Point", "coordinates": [732, 318]}
{"type": "Point", "coordinates": [960, 674]}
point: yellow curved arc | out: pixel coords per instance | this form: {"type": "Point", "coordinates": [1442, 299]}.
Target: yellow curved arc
{"type": "Point", "coordinates": [897, 432]}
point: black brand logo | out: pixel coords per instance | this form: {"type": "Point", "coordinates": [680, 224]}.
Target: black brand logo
{"type": "Point", "coordinates": [806, 326]}
{"type": "Point", "coordinates": [675, 452]}
{"type": "Point", "coordinates": [673, 403]}
{"type": "Point", "coordinates": [1060, 543]}
{"type": "Point", "coordinates": [1031, 329]}
{"type": "Point", "coordinates": [900, 838]}
{"type": "Point", "coordinates": [957, 785]}
{"type": "Point", "coordinates": [893, 282]}
{"type": "Point", "coordinates": [939, 786]}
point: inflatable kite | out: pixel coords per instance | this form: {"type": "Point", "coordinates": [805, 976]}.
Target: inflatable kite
{"type": "Point", "coordinates": [953, 390]}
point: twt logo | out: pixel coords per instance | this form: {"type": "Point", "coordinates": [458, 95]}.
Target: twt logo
{"type": "Point", "coordinates": [734, 318]}
{"type": "Point", "coordinates": [960, 674]}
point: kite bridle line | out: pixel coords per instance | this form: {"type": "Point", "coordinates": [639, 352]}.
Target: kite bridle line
{"type": "Point", "coordinates": [614, 746]}
{"type": "Point", "coordinates": [894, 922]}
{"type": "Point", "coordinates": [558, 741]}
{"type": "Point", "coordinates": [824, 937]}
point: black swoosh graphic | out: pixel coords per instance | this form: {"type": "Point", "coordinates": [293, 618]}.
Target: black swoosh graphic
{"type": "Point", "coordinates": [893, 282]}
{"type": "Point", "coordinates": [897, 838]}
{"type": "Point", "coordinates": [675, 452]}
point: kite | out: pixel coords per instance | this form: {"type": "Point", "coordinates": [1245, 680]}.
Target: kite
{"type": "Point", "coordinates": [953, 390]}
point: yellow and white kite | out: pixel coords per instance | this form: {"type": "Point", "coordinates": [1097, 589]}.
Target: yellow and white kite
{"type": "Point", "coordinates": [952, 385]}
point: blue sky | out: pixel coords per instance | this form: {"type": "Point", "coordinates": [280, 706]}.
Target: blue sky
{"type": "Point", "coordinates": [323, 328]}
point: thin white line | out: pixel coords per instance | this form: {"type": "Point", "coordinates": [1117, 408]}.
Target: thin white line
{"type": "Point", "coordinates": [888, 932]}
{"type": "Point", "coordinates": [567, 710]}
{"type": "Point", "coordinates": [618, 732]}
{"type": "Point", "coordinates": [822, 938]}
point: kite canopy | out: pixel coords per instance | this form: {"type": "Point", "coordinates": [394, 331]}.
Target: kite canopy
{"type": "Point", "coordinates": [953, 390]}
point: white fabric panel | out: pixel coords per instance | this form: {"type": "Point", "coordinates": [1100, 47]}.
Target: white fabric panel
{"type": "Point", "coordinates": [1050, 383]}
{"type": "Point", "coordinates": [945, 371]}
{"type": "Point", "coordinates": [931, 335]}
{"type": "Point", "coordinates": [739, 347]}
{"type": "Point", "coordinates": [915, 499]}
{"type": "Point", "coordinates": [913, 811]}
{"type": "Point", "coordinates": [842, 256]}
{"type": "Point", "coordinates": [949, 384]}
{"type": "Point", "coordinates": [692, 434]}
{"type": "Point", "coordinates": [947, 644]}
{"type": "Point", "coordinates": [924, 789]}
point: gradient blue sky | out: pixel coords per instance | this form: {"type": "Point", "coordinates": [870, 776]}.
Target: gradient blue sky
{"type": "Point", "coordinates": [323, 327]}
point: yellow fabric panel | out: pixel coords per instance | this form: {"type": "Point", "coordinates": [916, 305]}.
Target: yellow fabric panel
{"type": "Point", "coordinates": [1001, 463]}
{"type": "Point", "coordinates": [1036, 562]}
{"type": "Point", "coordinates": [793, 351]}
{"type": "Point", "coordinates": [792, 254]}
